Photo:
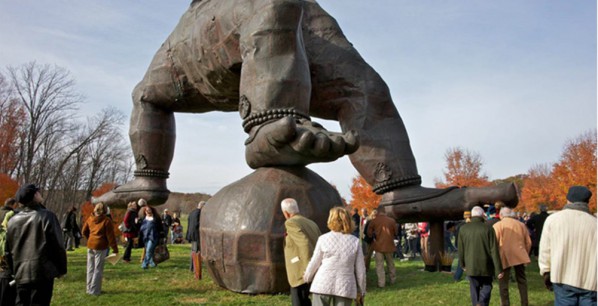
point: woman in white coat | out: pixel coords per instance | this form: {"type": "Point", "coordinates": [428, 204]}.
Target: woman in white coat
{"type": "Point", "coordinates": [336, 270]}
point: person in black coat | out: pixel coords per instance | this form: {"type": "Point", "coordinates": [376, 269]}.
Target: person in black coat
{"type": "Point", "coordinates": [193, 230]}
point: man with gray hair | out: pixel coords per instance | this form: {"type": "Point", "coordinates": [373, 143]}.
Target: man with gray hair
{"type": "Point", "coordinates": [193, 237]}
{"type": "Point", "coordinates": [479, 256]}
{"type": "Point", "coordinates": [301, 235]}
{"type": "Point", "coordinates": [515, 244]}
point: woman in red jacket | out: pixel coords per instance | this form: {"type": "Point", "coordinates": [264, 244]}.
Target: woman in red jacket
{"type": "Point", "coordinates": [99, 231]}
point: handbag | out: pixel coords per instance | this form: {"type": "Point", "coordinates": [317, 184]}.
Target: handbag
{"type": "Point", "coordinates": [161, 253]}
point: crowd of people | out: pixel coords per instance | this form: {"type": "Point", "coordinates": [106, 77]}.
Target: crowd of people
{"type": "Point", "coordinates": [491, 244]}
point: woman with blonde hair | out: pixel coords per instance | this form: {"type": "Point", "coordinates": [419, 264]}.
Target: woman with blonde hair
{"type": "Point", "coordinates": [337, 268]}
{"type": "Point", "coordinates": [99, 231]}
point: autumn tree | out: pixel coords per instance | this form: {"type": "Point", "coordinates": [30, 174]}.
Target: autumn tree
{"type": "Point", "coordinates": [463, 168]}
{"type": "Point", "coordinates": [11, 124]}
{"type": "Point", "coordinates": [577, 166]}
{"type": "Point", "coordinates": [8, 187]}
{"type": "Point", "coordinates": [538, 189]}
{"type": "Point", "coordinates": [362, 195]}
{"type": "Point", "coordinates": [548, 184]}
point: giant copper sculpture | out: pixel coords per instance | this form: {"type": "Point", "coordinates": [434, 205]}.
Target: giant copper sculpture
{"type": "Point", "coordinates": [279, 62]}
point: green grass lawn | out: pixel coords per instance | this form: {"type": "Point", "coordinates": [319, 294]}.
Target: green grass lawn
{"type": "Point", "coordinates": [171, 283]}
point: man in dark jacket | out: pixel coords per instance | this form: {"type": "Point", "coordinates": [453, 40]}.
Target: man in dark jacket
{"type": "Point", "coordinates": [193, 232]}
{"type": "Point", "coordinates": [34, 264]}
{"type": "Point", "coordinates": [69, 227]}
{"type": "Point", "coordinates": [535, 225]}
{"type": "Point", "coordinates": [479, 256]}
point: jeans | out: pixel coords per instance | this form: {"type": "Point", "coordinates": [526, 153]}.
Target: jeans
{"type": "Point", "coordinates": [95, 270]}
{"type": "Point", "coordinates": [565, 295]}
{"type": "Point", "coordinates": [480, 288]}
{"type": "Point", "coordinates": [148, 260]}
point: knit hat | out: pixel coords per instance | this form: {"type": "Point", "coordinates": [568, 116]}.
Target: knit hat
{"type": "Point", "coordinates": [26, 193]}
{"type": "Point", "coordinates": [579, 194]}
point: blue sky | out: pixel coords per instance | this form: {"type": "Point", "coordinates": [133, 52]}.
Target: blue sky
{"type": "Point", "coordinates": [511, 80]}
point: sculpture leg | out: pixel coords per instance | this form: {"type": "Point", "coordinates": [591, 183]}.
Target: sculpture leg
{"type": "Point", "coordinates": [152, 135]}
{"type": "Point", "coordinates": [275, 90]}
{"type": "Point", "coordinates": [347, 89]}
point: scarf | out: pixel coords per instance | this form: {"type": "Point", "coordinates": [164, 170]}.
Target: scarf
{"type": "Point", "coordinates": [578, 206]}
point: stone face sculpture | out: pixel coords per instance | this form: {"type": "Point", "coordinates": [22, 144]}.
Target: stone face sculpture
{"type": "Point", "coordinates": [279, 62]}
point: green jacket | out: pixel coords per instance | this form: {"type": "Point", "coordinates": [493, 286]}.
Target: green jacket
{"type": "Point", "coordinates": [478, 249]}
{"type": "Point", "coordinates": [299, 243]}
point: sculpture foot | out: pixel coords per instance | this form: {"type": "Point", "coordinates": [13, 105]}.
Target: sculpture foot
{"type": "Point", "coordinates": [294, 142]}
{"type": "Point", "coordinates": [416, 203]}
{"type": "Point", "coordinates": [153, 190]}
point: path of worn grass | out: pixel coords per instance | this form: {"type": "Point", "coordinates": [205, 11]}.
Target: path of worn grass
{"type": "Point", "coordinates": [172, 284]}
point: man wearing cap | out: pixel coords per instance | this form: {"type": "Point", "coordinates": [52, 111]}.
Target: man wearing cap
{"type": "Point", "coordinates": [479, 256]}
{"type": "Point", "coordinates": [567, 257]}
{"type": "Point", "coordinates": [514, 244]}
{"type": "Point", "coordinates": [34, 264]}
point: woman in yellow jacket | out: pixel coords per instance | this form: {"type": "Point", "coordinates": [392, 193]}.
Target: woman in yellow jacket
{"type": "Point", "coordinates": [99, 231]}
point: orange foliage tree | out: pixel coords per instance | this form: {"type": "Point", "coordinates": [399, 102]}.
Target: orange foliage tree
{"type": "Point", "coordinates": [362, 195]}
{"type": "Point", "coordinates": [538, 189]}
{"type": "Point", "coordinates": [463, 168]}
{"type": "Point", "coordinates": [8, 187]}
{"type": "Point", "coordinates": [11, 131]}
{"type": "Point", "coordinates": [576, 166]}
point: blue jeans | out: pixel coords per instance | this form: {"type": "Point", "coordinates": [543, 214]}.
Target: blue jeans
{"type": "Point", "coordinates": [480, 288]}
{"type": "Point", "coordinates": [567, 295]}
{"type": "Point", "coordinates": [148, 260]}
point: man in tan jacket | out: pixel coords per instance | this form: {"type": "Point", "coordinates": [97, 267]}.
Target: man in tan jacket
{"type": "Point", "coordinates": [301, 235]}
{"type": "Point", "coordinates": [514, 246]}
{"type": "Point", "coordinates": [384, 230]}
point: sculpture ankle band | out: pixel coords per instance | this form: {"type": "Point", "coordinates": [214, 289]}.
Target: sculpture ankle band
{"type": "Point", "coordinates": [271, 114]}
{"type": "Point", "coordinates": [389, 185]}
{"type": "Point", "coordinates": [152, 173]}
